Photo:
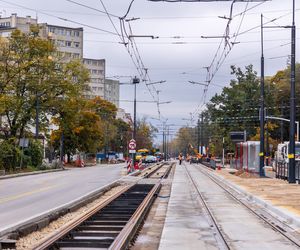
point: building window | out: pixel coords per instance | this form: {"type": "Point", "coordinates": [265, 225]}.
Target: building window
{"type": "Point", "coordinates": [68, 33]}
{"type": "Point", "coordinates": [75, 55]}
{"type": "Point", "coordinates": [76, 33]}
{"type": "Point", "coordinates": [60, 31]}
{"type": "Point", "coordinates": [76, 44]}
{"type": "Point", "coordinates": [68, 43]}
{"type": "Point", "coordinates": [60, 43]}
{"type": "Point", "coordinates": [6, 24]}
{"type": "Point", "coordinates": [52, 29]}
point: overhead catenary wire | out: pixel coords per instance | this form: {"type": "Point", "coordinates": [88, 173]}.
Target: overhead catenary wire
{"type": "Point", "coordinates": [134, 52]}
{"type": "Point", "coordinates": [211, 70]}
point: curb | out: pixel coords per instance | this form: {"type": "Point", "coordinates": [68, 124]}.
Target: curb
{"type": "Point", "coordinates": [30, 173]}
{"type": "Point", "coordinates": [41, 220]}
{"type": "Point", "coordinates": [281, 213]}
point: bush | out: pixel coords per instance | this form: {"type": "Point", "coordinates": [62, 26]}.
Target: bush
{"type": "Point", "coordinates": [9, 155]}
{"type": "Point", "coordinates": [35, 153]}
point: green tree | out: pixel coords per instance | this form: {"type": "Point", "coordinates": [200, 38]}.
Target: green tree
{"type": "Point", "coordinates": [122, 136]}
{"type": "Point", "coordinates": [30, 77]}
{"type": "Point", "coordinates": [145, 134]}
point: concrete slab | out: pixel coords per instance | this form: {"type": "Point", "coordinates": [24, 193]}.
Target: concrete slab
{"type": "Point", "coordinates": [280, 197]}
{"type": "Point", "coordinates": [186, 226]}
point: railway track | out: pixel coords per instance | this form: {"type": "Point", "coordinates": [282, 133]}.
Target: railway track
{"type": "Point", "coordinates": [273, 222]}
{"type": "Point", "coordinates": [161, 171]}
{"type": "Point", "coordinates": [217, 231]}
{"type": "Point", "coordinates": [112, 224]}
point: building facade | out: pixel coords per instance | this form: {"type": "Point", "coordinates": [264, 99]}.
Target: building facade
{"type": "Point", "coordinates": [8, 24]}
{"type": "Point", "coordinates": [126, 117]}
{"type": "Point", "coordinates": [68, 41]}
{"type": "Point", "coordinates": [69, 44]}
{"type": "Point", "coordinates": [97, 76]}
{"type": "Point", "coordinates": [112, 91]}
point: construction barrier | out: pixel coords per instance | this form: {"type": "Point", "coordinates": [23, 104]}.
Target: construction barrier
{"type": "Point", "coordinates": [140, 165]}
{"type": "Point", "coordinates": [129, 163]}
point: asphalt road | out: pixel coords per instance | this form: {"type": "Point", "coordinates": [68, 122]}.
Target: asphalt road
{"type": "Point", "coordinates": [25, 197]}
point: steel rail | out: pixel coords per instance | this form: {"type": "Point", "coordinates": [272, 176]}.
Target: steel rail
{"type": "Point", "coordinates": [123, 239]}
{"type": "Point", "coordinates": [132, 224]}
{"type": "Point", "coordinates": [66, 229]}
{"type": "Point", "coordinates": [161, 172]}
{"type": "Point", "coordinates": [271, 224]}
{"type": "Point", "coordinates": [210, 214]}
{"type": "Point", "coordinates": [168, 171]}
{"type": "Point", "coordinates": [148, 175]}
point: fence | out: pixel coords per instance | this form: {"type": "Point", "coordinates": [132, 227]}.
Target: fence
{"type": "Point", "coordinates": [282, 170]}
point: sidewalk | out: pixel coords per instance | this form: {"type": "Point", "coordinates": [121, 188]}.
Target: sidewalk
{"type": "Point", "coordinates": [284, 197]}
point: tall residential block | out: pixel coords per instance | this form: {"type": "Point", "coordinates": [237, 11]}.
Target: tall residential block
{"type": "Point", "coordinates": [69, 44]}
{"type": "Point", "coordinates": [96, 68]}
{"type": "Point", "coordinates": [8, 24]}
{"type": "Point", "coordinates": [69, 41]}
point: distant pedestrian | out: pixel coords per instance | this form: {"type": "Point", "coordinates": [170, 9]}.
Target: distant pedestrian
{"type": "Point", "coordinates": [180, 158]}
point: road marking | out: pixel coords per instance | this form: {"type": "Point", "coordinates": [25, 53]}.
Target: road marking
{"type": "Point", "coordinates": [22, 195]}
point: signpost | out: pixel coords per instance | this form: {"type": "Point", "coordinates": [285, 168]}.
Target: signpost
{"type": "Point", "coordinates": [132, 146]}
{"type": "Point", "coordinates": [132, 150]}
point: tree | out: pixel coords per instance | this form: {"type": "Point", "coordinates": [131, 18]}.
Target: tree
{"type": "Point", "coordinates": [145, 133]}
{"type": "Point", "coordinates": [123, 135]}
{"type": "Point", "coordinates": [33, 80]}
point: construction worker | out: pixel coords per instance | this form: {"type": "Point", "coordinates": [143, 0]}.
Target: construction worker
{"type": "Point", "coordinates": [180, 158]}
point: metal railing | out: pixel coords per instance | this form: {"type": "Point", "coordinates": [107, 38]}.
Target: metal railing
{"type": "Point", "coordinates": [282, 170]}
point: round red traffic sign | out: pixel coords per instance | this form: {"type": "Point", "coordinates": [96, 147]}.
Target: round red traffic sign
{"type": "Point", "coordinates": [132, 144]}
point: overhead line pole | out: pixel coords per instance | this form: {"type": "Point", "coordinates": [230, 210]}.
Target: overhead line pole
{"type": "Point", "coordinates": [135, 81]}
{"type": "Point", "coordinates": [291, 155]}
{"type": "Point", "coordinates": [262, 107]}
{"type": "Point", "coordinates": [201, 150]}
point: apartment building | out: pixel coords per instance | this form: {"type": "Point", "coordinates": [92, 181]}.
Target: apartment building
{"type": "Point", "coordinates": [97, 75]}
{"type": "Point", "coordinates": [8, 24]}
{"type": "Point", "coordinates": [69, 43]}
{"type": "Point", "coordinates": [112, 91]}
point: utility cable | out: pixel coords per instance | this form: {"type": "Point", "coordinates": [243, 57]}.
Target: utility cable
{"type": "Point", "coordinates": [91, 8]}
{"type": "Point", "coordinates": [58, 17]}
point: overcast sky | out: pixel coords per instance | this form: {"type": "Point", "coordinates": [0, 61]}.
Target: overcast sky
{"type": "Point", "coordinates": [179, 54]}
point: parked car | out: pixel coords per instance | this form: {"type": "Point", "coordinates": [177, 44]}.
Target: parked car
{"type": "Point", "coordinates": [150, 159]}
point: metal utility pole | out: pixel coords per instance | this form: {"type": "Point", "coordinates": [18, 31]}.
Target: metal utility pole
{"type": "Point", "coordinates": [164, 150]}
{"type": "Point", "coordinates": [201, 149]}
{"type": "Point", "coordinates": [281, 122]}
{"type": "Point", "coordinates": [61, 149]}
{"type": "Point", "coordinates": [223, 152]}
{"type": "Point", "coordinates": [166, 144]}
{"type": "Point", "coordinates": [291, 155]}
{"type": "Point", "coordinates": [262, 106]}
{"type": "Point", "coordinates": [135, 81]}
{"type": "Point", "coordinates": [198, 136]}
{"type": "Point", "coordinates": [37, 117]}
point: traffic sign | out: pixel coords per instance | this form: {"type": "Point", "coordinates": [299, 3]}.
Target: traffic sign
{"type": "Point", "coordinates": [132, 144]}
